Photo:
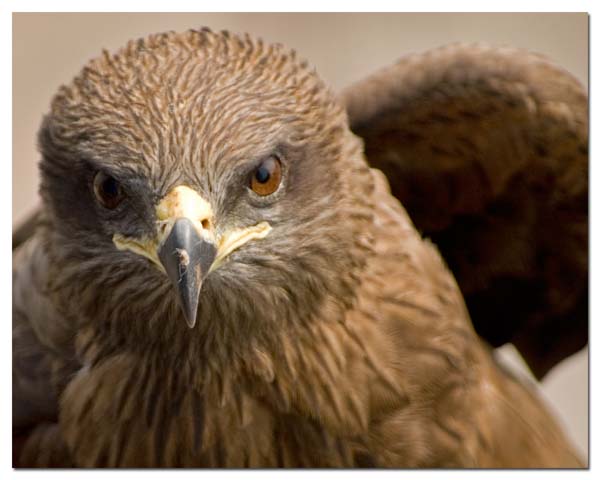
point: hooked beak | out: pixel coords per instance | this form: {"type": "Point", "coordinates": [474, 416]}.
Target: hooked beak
{"type": "Point", "coordinates": [187, 258]}
{"type": "Point", "coordinates": [186, 246]}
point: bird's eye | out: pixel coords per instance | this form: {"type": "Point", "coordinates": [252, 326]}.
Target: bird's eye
{"type": "Point", "coordinates": [108, 190]}
{"type": "Point", "coordinates": [267, 177]}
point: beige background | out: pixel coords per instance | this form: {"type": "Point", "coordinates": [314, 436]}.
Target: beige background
{"type": "Point", "coordinates": [49, 49]}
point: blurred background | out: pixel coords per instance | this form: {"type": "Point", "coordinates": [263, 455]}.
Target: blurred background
{"type": "Point", "coordinates": [50, 48]}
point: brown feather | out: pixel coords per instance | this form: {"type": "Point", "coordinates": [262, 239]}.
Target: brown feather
{"type": "Point", "coordinates": [486, 148]}
{"type": "Point", "coordinates": [341, 339]}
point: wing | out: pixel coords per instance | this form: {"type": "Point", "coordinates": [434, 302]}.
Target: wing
{"type": "Point", "coordinates": [25, 229]}
{"type": "Point", "coordinates": [43, 356]}
{"type": "Point", "coordinates": [487, 149]}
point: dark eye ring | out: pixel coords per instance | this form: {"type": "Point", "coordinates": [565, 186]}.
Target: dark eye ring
{"type": "Point", "coordinates": [108, 190]}
{"type": "Point", "coordinates": [266, 178]}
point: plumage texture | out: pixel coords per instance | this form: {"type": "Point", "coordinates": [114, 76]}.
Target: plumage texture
{"type": "Point", "coordinates": [487, 149]}
{"type": "Point", "coordinates": [340, 339]}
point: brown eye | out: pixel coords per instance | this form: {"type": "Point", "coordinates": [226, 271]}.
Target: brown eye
{"type": "Point", "coordinates": [267, 177]}
{"type": "Point", "coordinates": [108, 190]}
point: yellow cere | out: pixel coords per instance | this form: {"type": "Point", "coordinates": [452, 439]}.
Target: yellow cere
{"type": "Point", "coordinates": [184, 202]}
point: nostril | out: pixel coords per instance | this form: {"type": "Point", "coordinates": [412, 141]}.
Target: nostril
{"type": "Point", "coordinates": [205, 224]}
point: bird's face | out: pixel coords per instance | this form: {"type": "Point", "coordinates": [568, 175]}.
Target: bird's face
{"type": "Point", "coordinates": [210, 163]}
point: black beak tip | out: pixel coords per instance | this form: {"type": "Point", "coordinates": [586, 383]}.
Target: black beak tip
{"type": "Point", "coordinates": [191, 321]}
{"type": "Point", "coordinates": [189, 296]}
{"type": "Point", "coordinates": [187, 258]}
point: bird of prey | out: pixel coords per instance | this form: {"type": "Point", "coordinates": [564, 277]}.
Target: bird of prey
{"type": "Point", "coordinates": [222, 271]}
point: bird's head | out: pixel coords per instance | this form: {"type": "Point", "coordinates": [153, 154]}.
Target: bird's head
{"type": "Point", "coordinates": [207, 171]}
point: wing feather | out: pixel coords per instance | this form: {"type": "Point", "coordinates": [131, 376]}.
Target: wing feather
{"type": "Point", "coordinates": [487, 149]}
{"type": "Point", "coordinates": [43, 357]}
